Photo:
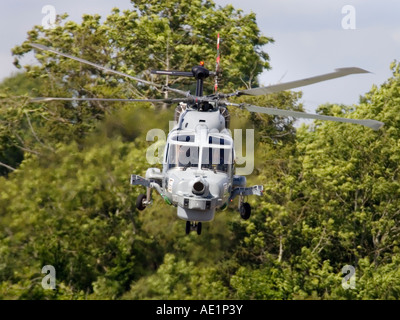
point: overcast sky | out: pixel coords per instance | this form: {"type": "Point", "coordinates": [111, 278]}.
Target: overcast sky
{"type": "Point", "coordinates": [309, 38]}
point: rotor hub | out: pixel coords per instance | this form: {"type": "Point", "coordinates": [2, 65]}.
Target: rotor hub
{"type": "Point", "coordinates": [200, 73]}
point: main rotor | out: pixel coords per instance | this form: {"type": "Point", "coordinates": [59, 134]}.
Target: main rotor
{"type": "Point", "coordinates": [217, 100]}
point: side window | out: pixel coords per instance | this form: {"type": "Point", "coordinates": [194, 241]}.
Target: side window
{"type": "Point", "coordinates": [166, 154]}
{"type": "Point", "coordinates": [172, 159]}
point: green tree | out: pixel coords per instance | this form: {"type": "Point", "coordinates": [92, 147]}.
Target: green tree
{"type": "Point", "coordinates": [73, 210]}
{"type": "Point", "coordinates": [150, 36]}
{"type": "Point", "coordinates": [331, 190]}
{"type": "Point", "coordinates": [179, 279]}
{"type": "Point", "coordinates": [332, 202]}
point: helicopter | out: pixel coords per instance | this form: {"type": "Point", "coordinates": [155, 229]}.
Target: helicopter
{"type": "Point", "coordinates": [198, 168]}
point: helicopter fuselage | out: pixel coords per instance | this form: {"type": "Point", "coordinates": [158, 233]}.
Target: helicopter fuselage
{"type": "Point", "coordinates": [198, 167]}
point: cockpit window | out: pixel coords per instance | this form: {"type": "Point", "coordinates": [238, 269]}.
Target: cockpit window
{"type": "Point", "coordinates": [184, 138]}
{"type": "Point", "coordinates": [218, 141]}
{"type": "Point", "coordinates": [183, 151]}
{"type": "Point", "coordinates": [217, 159]}
{"type": "Point", "coordinates": [183, 156]}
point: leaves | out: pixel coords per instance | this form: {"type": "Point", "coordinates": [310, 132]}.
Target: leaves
{"type": "Point", "coordinates": [331, 190]}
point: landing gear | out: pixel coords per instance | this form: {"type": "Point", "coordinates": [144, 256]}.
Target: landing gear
{"type": "Point", "coordinates": [141, 202]}
{"type": "Point", "coordinates": [198, 228]}
{"type": "Point", "coordinates": [244, 208]}
{"type": "Point", "coordinates": [193, 226]}
{"type": "Point", "coordinates": [245, 211]}
{"type": "Point", "coordinates": [188, 227]}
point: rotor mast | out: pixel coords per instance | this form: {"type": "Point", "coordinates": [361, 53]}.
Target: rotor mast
{"type": "Point", "coordinates": [200, 73]}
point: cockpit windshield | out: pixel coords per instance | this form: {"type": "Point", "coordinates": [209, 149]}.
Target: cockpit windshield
{"type": "Point", "coordinates": [215, 158]}
{"type": "Point", "coordinates": [183, 151]}
{"type": "Point", "coordinates": [183, 156]}
{"type": "Point", "coordinates": [218, 156]}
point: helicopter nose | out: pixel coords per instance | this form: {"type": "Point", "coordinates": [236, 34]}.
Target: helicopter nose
{"type": "Point", "coordinates": [200, 186]}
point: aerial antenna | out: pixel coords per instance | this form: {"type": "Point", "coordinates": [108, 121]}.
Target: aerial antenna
{"type": "Point", "coordinates": [217, 67]}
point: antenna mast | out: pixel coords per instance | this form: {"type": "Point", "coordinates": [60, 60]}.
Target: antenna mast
{"type": "Point", "coordinates": [217, 67]}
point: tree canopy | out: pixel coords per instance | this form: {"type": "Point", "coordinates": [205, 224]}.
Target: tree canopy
{"type": "Point", "coordinates": [331, 190]}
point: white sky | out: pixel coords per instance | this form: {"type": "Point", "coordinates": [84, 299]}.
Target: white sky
{"type": "Point", "coordinates": [309, 39]}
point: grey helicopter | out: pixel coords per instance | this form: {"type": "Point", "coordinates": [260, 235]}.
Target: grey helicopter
{"type": "Point", "coordinates": [198, 168]}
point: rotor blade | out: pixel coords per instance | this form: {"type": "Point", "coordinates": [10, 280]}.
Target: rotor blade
{"type": "Point", "coordinates": [341, 72]}
{"type": "Point", "coordinates": [105, 99]}
{"type": "Point", "coordinates": [105, 69]}
{"type": "Point", "coordinates": [172, 73]}
{"type": "Point", "coordinates": [373, 124]}
{"type": "Point", "coordinates": [176, 73]}
{"type": "Point", "coordinates": [42, 47]}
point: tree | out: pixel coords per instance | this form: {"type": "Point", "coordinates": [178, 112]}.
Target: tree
{"type": "Point", "coordinates": [334, 203]}
{"type": "Point", "coordinates": [331, 190]}
{"type": "Point", "coordinates": [150, 36]}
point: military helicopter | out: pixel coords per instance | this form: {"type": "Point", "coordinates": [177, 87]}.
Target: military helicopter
{"type": "Point", "coordinates": [198, 175]}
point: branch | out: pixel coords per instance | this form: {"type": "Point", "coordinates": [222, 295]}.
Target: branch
{"type": "Point", "coordinates": [34, 134]}
{"type": "Point", "coordinates": [23, 147]}
{"type": "Point", "coordinates": [280, 248]}
{"type": "Point", "coordinates": [320, 241]}
{"type": "Point", "coordinates": [27, 150]}
{"type": "Point", "coordinates": [245, 83]}
{"type": "Point", "coordinates": [7, 166]}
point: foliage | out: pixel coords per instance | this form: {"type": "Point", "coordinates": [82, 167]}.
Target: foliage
{"type": "Point", "coordinates": [178, 279]}
{"type": "Point", "coordinates": [150, 36]}
{"type": "Point", "coordinates": [331, 190]}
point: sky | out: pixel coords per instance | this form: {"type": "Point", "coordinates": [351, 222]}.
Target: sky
{"type": "Point", "coordinates": [311, 37]}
